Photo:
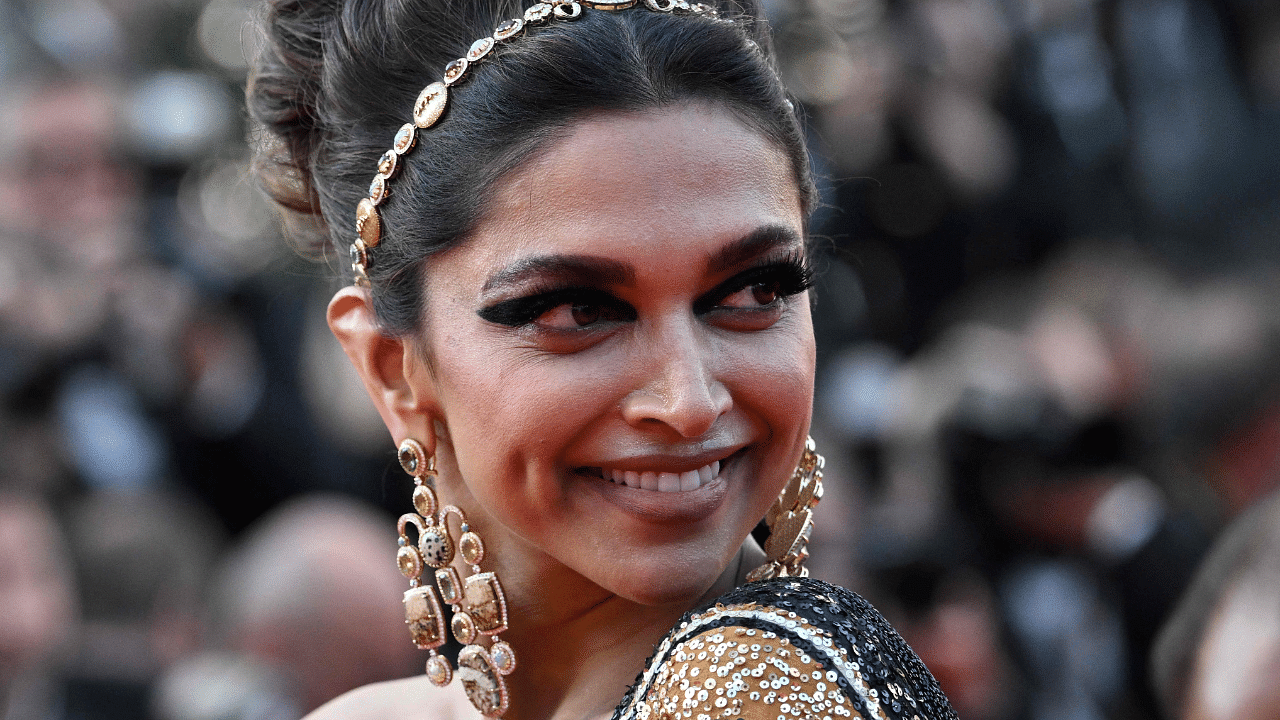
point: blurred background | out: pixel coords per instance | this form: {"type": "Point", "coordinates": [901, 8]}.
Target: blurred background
{"type": "Point", "coordinates": [1049, 383]}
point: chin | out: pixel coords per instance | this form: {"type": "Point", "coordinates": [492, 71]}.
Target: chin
{"type": "Point", "coordinates": [664, 580]}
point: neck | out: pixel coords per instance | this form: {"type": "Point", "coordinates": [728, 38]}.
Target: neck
{"type": "Point", "coordinates": [581, 647]}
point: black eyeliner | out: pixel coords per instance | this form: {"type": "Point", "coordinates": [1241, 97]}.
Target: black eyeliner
{"type": "Point", "coordinates": [524, 310]}
{"type": "Point", "coordinates": [791, 274]}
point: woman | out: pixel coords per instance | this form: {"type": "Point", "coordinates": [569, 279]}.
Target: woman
{"type": "Point", "coordinates": [579, 301]}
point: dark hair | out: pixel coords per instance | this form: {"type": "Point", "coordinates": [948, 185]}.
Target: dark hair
{"type": "Point", "coordinates": [337, 78]}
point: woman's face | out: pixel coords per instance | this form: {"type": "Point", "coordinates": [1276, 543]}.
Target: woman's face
{"type": "Point", "coordinates": [621, 356]}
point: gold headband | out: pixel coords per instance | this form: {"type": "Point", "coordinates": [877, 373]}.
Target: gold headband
{"type": "Point", "coordinates": [430, 105]}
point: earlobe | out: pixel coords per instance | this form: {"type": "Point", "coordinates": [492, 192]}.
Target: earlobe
{"type": "Point", "coordinates": [386, 365]}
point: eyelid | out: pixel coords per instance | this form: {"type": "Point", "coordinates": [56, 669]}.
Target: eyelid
{"type": "Point", "coordinates": [525, 309]}
{"type": "Point", "coordinates": [791, 270]}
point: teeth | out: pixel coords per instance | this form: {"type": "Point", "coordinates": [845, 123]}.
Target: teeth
{"type": "Point", "coordinates": [664, 481]}
{"type": "Point", "coordinates": [705, 473]}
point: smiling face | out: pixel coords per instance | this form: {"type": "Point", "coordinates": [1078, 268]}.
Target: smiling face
{"type": "Point", "coordinates": [621, 355]}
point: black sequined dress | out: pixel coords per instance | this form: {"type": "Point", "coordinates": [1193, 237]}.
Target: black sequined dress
{"type": "Point", "coordinates": [780, 649]}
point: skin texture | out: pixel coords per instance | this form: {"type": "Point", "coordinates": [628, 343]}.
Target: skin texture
{"type": "Point", "coordinates": [653, 212]}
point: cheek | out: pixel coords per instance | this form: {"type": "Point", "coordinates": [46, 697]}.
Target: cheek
{"type": "Point", "coordinates": [774, 372]}
{"type": "Point", "coordinates": [510, 417]}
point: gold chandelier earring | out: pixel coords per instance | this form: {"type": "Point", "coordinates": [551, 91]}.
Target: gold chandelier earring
{"type": "Point", "coordinates": [790, 519]}
{"type": "Point", "coordinates": [478, 603]}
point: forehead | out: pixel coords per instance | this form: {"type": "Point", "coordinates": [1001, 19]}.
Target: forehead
{"type": "Point", "coordinates": [669, 180]}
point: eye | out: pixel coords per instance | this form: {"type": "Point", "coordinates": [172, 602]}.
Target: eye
{"type": "Point", "coordinates": [571, 316]}
{"type": "Point", "coordinates": [560, 310]}
{"type": "Point", "coordinates": [759, 288]}
{"type": "Point", "coordinates": [755, 295]}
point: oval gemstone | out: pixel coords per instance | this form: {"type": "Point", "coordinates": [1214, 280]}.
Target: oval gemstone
{"type": "Point", "coordinates": [368, 224]}
{"type": "Point", "coordinates": [479, 49]}
{"type": "Point", "coordinates": [503, 656]}
{"type": "Point", "coordinates": [508, 28]}
{"type": "Point", "coordinates": [435, 546]}
{"type": "Point", "coordinates": [537, 13]}
{"type": "Point", "coordinates": [438, 671]}
{"type": "Point", "coordinates": [378, 190]}
{"type": "Point", "coordinates": [408, 458]}
{"type": "Point", "coordinates": [387, 163]}
{"type": "Point", "coordinates": [454, 70]}
{"type": "Point", "coordinates": [424, 501]}
{"type": "Point", "coordinates": [471, 547]}
{"type": "Point", "coordinates": [430, 104]}
{"type": "Point", "coordinates": [410, 562]}
{"type": "Point", "coordinates": [404, 139]}
{"type": "Point", "coordinates": [464, 629]}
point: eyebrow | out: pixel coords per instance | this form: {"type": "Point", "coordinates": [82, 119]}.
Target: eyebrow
{"type": "Point", "coordinates": [591, 270]}
{"type": "Point", "coordinates": [574, 268]}
{"type": "Point", "coordinates": [761, 240]}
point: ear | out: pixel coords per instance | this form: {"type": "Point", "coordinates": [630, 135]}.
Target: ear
{"type": "Point", "coordinates": [394, 376]}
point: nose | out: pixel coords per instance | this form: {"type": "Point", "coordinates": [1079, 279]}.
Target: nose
{"type": "Point", "coordinates": [681, 390]}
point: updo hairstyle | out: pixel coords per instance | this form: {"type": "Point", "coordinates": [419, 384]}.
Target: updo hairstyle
{"type": "Point", "coordinates": [337, 78]}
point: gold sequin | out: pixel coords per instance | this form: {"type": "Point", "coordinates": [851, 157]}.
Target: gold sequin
{"type": "Point", "coordinates": [709, 676]}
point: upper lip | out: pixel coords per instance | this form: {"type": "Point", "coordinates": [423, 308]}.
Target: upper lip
{"type": "Point", "coordinates": [668, 462]}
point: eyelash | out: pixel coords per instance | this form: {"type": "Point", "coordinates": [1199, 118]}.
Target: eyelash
{"type": "Point", "coordinates": [791, 276]}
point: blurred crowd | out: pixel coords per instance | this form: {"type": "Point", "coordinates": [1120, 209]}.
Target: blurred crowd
{"type": "Point", "coordinates": [1049, 382]}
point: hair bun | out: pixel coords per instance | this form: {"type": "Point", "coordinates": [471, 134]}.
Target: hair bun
{"type": "Point", "coordinates": [283, 97]}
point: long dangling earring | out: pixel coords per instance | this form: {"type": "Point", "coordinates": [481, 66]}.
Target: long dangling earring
{"type": "Point", "coordinates": [478, 603]}
{"type": "Point", "coordinates": [790, 520]}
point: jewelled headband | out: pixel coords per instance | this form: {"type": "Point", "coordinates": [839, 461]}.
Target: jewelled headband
{"type": "Point", "coordinates": [431, 102]}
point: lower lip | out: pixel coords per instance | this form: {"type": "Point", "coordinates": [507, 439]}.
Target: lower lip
{"type": "Point", "coordinates": [666, 507]}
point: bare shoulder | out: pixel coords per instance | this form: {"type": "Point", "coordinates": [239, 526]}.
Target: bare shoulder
{"type": "Point", "coordinates": [408, 699]}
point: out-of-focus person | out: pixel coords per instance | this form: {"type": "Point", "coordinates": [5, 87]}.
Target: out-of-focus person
{"type": "Point", "coordinates": [142, 562]}
{"type": "Point", "coordinates": [1218, 657]}
{"type": "Point", "coordinates": [69, 212]}
{"type": "Point", "coordinates": [38, 612]}
{"type": "Point", "coordinates": [311, 595]}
